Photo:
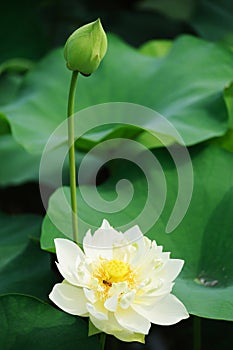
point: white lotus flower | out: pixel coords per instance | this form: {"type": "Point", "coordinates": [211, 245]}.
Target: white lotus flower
{"type": "Point", "coordinates": [123, 282]}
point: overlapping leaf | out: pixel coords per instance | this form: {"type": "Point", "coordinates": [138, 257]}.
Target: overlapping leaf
{"type": "Point", "coordinates": [24, 268]}
{"type": "Point", "coordinates": [27, 323]}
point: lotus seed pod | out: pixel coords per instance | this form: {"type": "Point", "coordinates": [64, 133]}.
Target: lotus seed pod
{"type": "Point", "coordinates": [85, 48]}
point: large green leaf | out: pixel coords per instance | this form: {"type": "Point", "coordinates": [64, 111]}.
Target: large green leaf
{"type": "Point", "coordinates": [11, 76]}
{"type": "Point", "coordinates": [19, 165]}
{"type": "Point", "coordinates": [24, 268]}
{"type": "Point", "coordinates": [4, 125]}
{"type": "Point", "coordinates": [9, 85]}
{"type": "Point", "coordinates": [226, 141]}
{"type": "Point", "coordinates": [186, 86]}
{"type": "Point", "coordinates": [203, 239]}
{"type": "Point", "coordinates": [27, 323]}
{"type": "Point", "coordinates": [228, 95]}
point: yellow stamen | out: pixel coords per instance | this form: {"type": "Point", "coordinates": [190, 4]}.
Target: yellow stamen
{"type": "Point", "coordinates": [113, 271]}
{"type": "Point", "coordinates": [116, 270]}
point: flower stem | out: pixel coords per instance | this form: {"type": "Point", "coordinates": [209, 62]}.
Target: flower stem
{"type": "Point", "coordinates": [196, 333]}
{"type": "Point", "coordinates": [70, 116]}
{"type": "Point", "coordinates": [102, 340]}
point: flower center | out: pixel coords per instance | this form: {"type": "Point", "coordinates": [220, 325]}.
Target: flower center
{"type": "Point", "coordinates": [116, 271]}
{"type": "Point", "coordinates": [113, 271]}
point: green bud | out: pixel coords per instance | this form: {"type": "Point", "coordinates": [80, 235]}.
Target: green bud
{"type": "Point", "coordinates": [85, 48]}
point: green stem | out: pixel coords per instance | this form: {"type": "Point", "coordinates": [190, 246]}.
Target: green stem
{"type": "Point", "coordinates": [102, 340]}
{"type": "Point", "coordinates": [70, 116]}
{"type": "Point", "coordinates": [196, 333]}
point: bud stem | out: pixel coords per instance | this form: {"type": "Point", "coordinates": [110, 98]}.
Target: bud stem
{"type": "Point", "coordinates": [70, 116]}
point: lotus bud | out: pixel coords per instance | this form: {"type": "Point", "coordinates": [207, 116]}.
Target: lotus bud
{"type": "Point", "coordinates": [85, 48]}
